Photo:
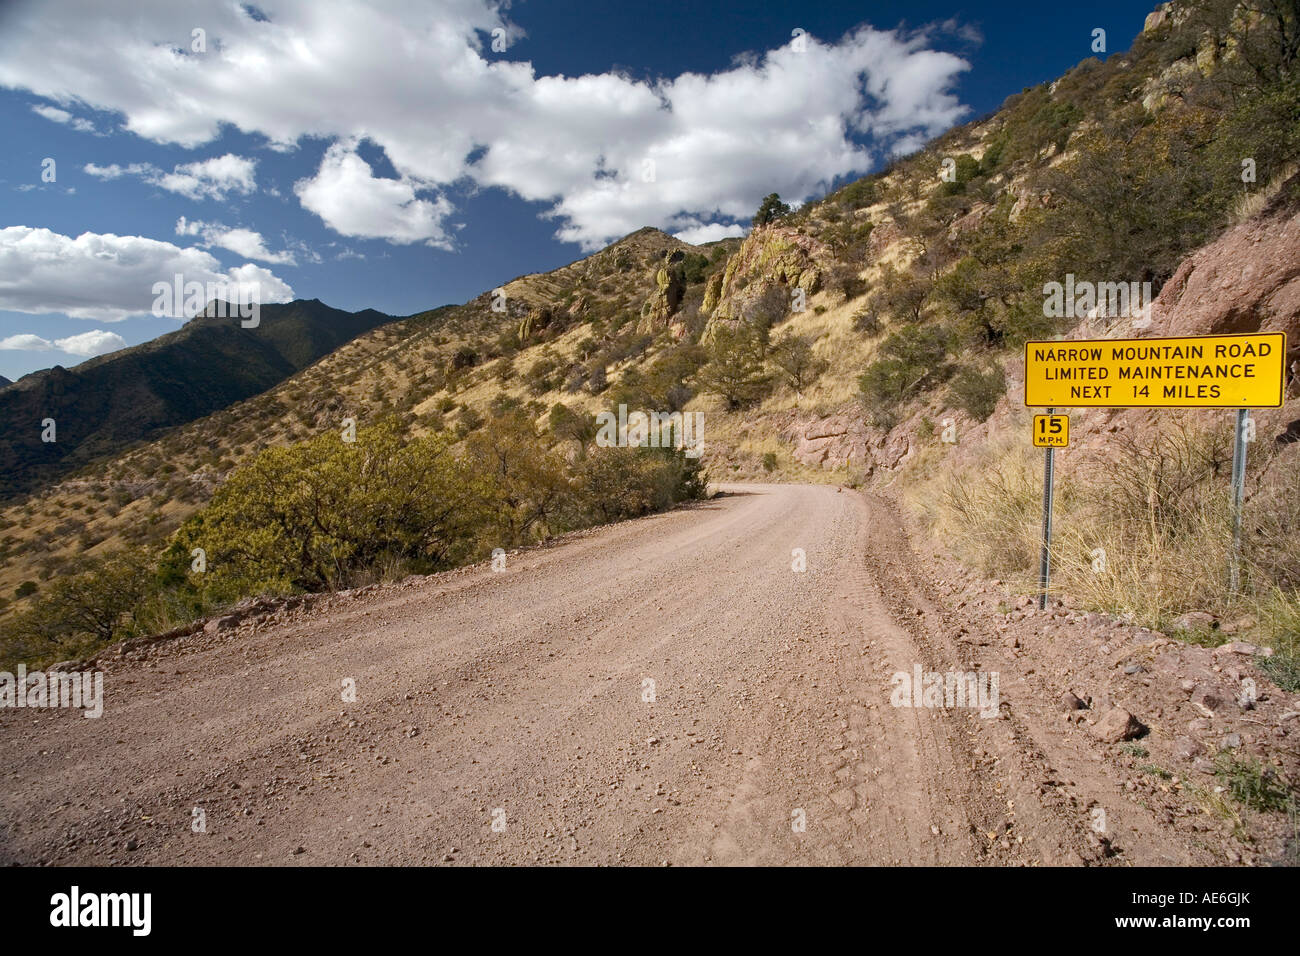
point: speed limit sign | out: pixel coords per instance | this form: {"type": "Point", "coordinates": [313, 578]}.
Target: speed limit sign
{"type": "Point", "coordinates": [1051, 431]}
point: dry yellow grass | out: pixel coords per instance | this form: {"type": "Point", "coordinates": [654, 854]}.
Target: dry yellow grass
{"type": "Point", "coordinates": [1143, 533]}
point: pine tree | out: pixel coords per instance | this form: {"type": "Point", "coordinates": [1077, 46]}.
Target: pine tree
{"type": "Point", "coordinates": [771, 210]}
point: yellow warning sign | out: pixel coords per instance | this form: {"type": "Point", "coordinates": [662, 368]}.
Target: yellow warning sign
{"type": "Point", "coordinates": [1193, 371]}
{"type": "Point", "coordinates": [1051, 431]}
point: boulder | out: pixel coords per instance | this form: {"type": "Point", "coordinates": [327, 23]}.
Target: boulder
{"type": "Point", "coordinates": [1116, 726]}
{"type": "Point", "coordinates": [1069, 702]}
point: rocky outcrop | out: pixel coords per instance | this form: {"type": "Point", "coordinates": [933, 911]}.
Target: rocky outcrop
{"type": "Point", "coordinates": [773, 258]}
{"type": "Point", "coordinates": [844, 440]}
{"type": "Point", "coordinates": [670, 286]}
{"type": "Point", "coordinates": [712, 293]}
{"type": "Point", "coordinates": [1156, 17]}
{"type": "Point", "coordinates": [533, 322]}
{"type": "Point", "coordinates": [884, 235]}
{"type": "Point", "coordinates": [1027, 199]}
{"type": "Point", "coordinates": [1172, 80]}
{"type": "Point", "coordinates": [1247, 280]}
{"type": "Point", "coordinates": [970, 221]}
{"type": "Point", "coordinates": [578, 308]}
{"type": "Point", "coordinates": [828, 443]}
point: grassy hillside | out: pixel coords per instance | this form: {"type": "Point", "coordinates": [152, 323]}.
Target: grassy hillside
{"type": "Point", "coordinates": [112, 401]}
{"type": "Point", "coordinates": [444, 369]}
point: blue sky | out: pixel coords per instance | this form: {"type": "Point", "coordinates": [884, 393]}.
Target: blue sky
{"type": "Point", "coordinates": [385, 155]}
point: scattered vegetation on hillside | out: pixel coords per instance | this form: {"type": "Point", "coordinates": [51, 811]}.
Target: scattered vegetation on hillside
{"type": "Point", "coordinates": [1116, 172]}
{"type": "Point", "coordinates": [327, 513]}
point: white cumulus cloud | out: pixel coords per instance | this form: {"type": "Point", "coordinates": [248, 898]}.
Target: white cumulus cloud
{"type": "Point", "coordinates": [605, 153]}
{"type": "Point", "coordinates": [88, 344]}
{"type": "Point", "coordinates": [700, 233]}
{"type": "Point", "coordinates": [107, 277]}
{"type": "Point", "coordinates": [245, 242]}
{"type": "Point", "coordinates": [52, 113]}
{"type": "Point", "coordinates": [84, 344]}
{"type": "Point", "coordinates": [213, 178]}
{"type": "Point", "coordinates": [113, 170]}
{"type": "Point", "coordinates": [26, 342]}
{"type": "Point", "coordinates": [352, 201]}
{"type": "Point", "coordinates": [56, 115]}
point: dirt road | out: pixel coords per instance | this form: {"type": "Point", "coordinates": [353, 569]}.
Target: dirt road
{"type": "Point", "coordinates": [667, 690]}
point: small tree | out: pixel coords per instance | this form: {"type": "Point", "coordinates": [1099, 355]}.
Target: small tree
{"type": "Point", "coordinates": [846, 279]}
{"type": "Point", "coordinates": [793, 355]}
{"type": "Point", "coordinates": [771, 210]}
{"type": "Point", "coordinates": [902, 294]}
{"type": "Point", "coordinates": [568, 425]}
{"type": "Point", "coordinates": [763, 311]}
{"type": "Point", "coordinates": [97, 598]}
{"type": "Point", "coordinates": [526, 481]}
{"type": "Point", "coordinates": [735, 370]}
{"type": "Point", "coordinates": [909, 361]}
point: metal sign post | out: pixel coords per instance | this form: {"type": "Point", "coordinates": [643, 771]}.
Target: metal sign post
{"type": "Point", "coordinates": [1238, 495]}
{"type": "Point", "coordinates": [1045, 563]}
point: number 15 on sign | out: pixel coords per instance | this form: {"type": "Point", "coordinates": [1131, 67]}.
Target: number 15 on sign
{"type": "Point", "coordinates": [1051, 431]}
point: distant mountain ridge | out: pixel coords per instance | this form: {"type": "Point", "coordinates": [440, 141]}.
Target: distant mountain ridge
{"type": "Point", "coordinates": [107, 403]}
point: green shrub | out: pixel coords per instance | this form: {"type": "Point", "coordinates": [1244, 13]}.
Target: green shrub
{"type": "Point", "coordinates": [1252, 783]}
{"type": "Point", "coordinates": [912, 360]}
{"type": "Point", "coordinates": [617, 483]}
{"type": "Point", "coordinates": [978, 392]}
{"type": "Point", "coordinates": [92, 602]}
{"type": "Point", "coordinates": [695, 267]}
{"type": "Point", "coordinates": [309, 516]}
{"type": "Point", "coordinates": [966, 169]}
{"type": "Point", "coordinates": [1283, 670]}
{"type": "Point", "coordinates": [858, 194]}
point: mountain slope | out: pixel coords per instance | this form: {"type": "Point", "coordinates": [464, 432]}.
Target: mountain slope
{"type": "Point", "coordinates": [441, 368]}
{"type": "Point", "coordinates": [107, 403]}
